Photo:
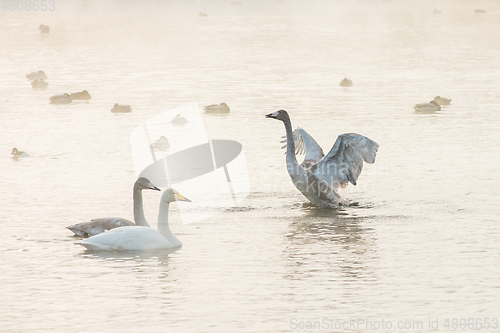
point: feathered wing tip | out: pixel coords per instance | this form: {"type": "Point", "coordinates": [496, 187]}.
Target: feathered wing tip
{"type": "Point", "coordinates": [368, 149]}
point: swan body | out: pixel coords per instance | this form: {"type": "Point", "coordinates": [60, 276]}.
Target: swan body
{"type": "Point", "coordinates": [179, 120]}
{"type": "Point", "coordinates": [161, 144]}
{"type": "Point", "coordinates": [320, 176]}
{"type": "Point", "coordinates": [82, 95]}
{"type": "Point", "coordinates": [442, 100]}
{"type": "Point", "coordinates": [430, 107]}
{"type": "Point", "coordinates": [40, 75]}
{"type": "Point", "coordinates": [60, 99]}
{"type": "Point", "coordinates": [346, 83]}
{"type": "Point", "coordinates": [136, 238]}
{"type": "Point", "coordinates": [100, 225]}
{"type": "Point", "coordinates": [39, 84]}
{"type": "Point", "coordinates": [44, 29]}
{"type": "Point", "coordinates": [17, 153]}
{"type": "Point", "coordinates": [117, 108]}
{"type": "Point", "coordinates": [214, 108]}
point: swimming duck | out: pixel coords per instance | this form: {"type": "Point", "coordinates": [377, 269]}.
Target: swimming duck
{"type": "Point", "coordinates": [60, 99]}
{"type": "Point", "coordinates": [39, 84]}
{"type": "Point", "coordinates": [40, 75]}
{"type": "Point", "coordinates": [44, 29]}
{"type": "Point", "coordinates": [117, 108]}
{"type": "Point", "coordinates": [214, 108]}
{"type": "Point", "coordinates": [179, 120]}
{"type": "Point", "coordinates": [442, 100]}
{"type": "Point", "coordinates": [346, 83]}
{"type": "Point", "coordinates": [161, 144]}
{"type": "Point", "coordinates": [430, 107]}
{"type": "Point", "coordinates": [82, 95]}
{"type": "Point", "coordinates": [320, 176]}
{"type": "Point", "coordinates": [18, 153]}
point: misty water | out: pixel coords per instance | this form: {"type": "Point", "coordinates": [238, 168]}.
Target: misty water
{"type": "Point", "coordinates": [420, 251]}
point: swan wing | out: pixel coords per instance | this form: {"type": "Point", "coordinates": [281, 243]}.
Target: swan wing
{"type": "Point", "coordinates": [98, 226]}
{"type": "Point", "coordinates": [132, 238]}
{"type": "Point", "coordinates": [344, 162]}
{"type": "Point", "coordinates": [305, 144]}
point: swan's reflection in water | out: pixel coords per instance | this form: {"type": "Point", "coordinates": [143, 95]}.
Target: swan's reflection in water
{"type": "Point", "coordinates": [332, 245]}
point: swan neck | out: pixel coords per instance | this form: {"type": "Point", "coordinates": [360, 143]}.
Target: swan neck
{"type": "Point", "coordinates": [291, 159]}
{"type": "Point", "coordinates": [163, 227]}
{"type": "Point", "coordinates": [139, 217]}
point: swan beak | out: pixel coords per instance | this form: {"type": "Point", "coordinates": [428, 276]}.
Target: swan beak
{"type": "Point", "coordinates": [272, 115]}
{"type": "Point", "coordinates": [152, 187]}
{"type": "Point", "coordinates": [180, 197]}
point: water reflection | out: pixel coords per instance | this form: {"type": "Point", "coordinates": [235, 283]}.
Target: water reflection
{"type": "Point", "coordinates": [162, 256]}
{"type": "Point", "coordinates": [323, 239]}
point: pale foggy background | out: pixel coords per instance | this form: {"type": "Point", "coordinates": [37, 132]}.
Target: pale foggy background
{"type": "Point", "coordinates": [422, 246]}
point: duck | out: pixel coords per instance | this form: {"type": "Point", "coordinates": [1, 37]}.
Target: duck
{"type": "Point", "coordinates": [161, 144]}
{"type": "Point", "coordinates": [214, 108]}
{"type": "Point", "coordinates": [117, 108]}
{"type": "Point", "coordinates": [82, 95]}
{"type": "Point", "coordinates": [60, 99]}
{"type": "Point", "coordinates": [179, 120]}
{"type": "Point", "coordinates": [442, 100]}
{"type": "Point", "coordinates": [100, 225]}
{"type": "Point", "coordinates": [39, 84]}
{"type": "Point", "coordinates": [320, 176]}
{"type": "Point", "coordinates": [430, 107]}
{"type": "Point", "coordinates": [40, 75]}
{"type": "Point", "coordinates": [137, 238]}
{"type": "Point", "coordinates": [346, 83]}
{"type": "Point", "coordinates": [44, 29]}
{"type": "Point", "coordinates": [18, 153]}
{"type": "Point", "coordinates": [202, 14]}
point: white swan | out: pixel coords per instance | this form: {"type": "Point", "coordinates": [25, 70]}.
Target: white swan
{"type": "Point", "coordinates": [81, 95]}
{"type": "Point", "coordinates": [117, 108]}
{"type": "Point", "coordinates": [18, 153]}
{"type": "Point", "coordinates": [100, 225]}
{"type": "Point", "coordinates": [60, 99]}
{"type": "Point", "coordinates": [430, 107]}
{"type": "Point", "coordinates": [319, 177]}
{"type": "Point", "coordinates": [40, 75]}
{"type": "Point", "coordinates": [139, 238]}
{"type": "Point", "coordinates": [442, 100]}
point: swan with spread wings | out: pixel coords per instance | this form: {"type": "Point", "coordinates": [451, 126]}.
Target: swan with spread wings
{"type": "Point", "coordinates": [320, 176]}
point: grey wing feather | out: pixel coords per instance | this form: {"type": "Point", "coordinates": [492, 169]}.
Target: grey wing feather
{"type": "Point", "coordinates": [344, 162]}
{"type": "Point", "coordinates": [305, 144]}
{"type": "Point", "coordinates": [98, 226]}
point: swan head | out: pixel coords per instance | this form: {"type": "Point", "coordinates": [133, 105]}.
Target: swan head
{"type": "Point", "coordinates": [172, 195]}
{"type": "Point", "coordinates": [144, 184]}
{"type": "Point", "coordinates": [434, 103]}
{"type": "Point", "coordinates": [280, 115]}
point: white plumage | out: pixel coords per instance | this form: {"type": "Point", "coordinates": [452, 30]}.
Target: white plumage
{"type": "Point", "coordinates": [136, 238]}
